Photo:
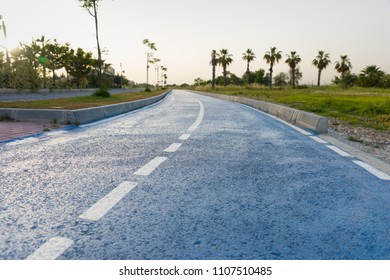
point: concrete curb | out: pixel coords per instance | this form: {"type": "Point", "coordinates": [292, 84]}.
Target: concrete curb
{"type": "Point", "coordinates": [302, 119]}
{"type": "Point", "coordinates": [81, 116]}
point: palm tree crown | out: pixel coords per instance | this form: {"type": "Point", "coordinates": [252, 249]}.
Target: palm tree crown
{"type": "Point", "coordinates": [271, 57]}
{"type": "Point", "coordinates": [343, 66]}
{"type": "Point", "coordinates": [321, 61]}
{"type": "Point", "coordinates": [372, 76]}
{"type": "Point", "coordinates": [224, 59]}
{"type": "Point", "coordinates": [248, 56]}
{"type": "Point", "coordinates": [293, 60]}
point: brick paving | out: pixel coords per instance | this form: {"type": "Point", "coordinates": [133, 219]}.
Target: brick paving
{"type": "Point", "coordinates": [12, 130]}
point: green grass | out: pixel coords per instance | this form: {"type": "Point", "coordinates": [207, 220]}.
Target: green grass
{"type": "Point", "coordinates": [80, 102]}
{"type": "Point", "coordinates": [367, 107]}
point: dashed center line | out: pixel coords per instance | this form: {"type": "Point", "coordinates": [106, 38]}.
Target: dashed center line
{"type": "Point", "coordinates": [52, 249]}
{"type": "Point", "coordinates": [372, 170]}
{"type": "Point", "coordinates": [173, 148]}
{"type": "Point", "coordinates": [150, 166]}
{"type": "Point", "coordinates": [100, 208]}
{"type": "Point", "coordinates": [339, 151]}
{"type": "Point", "coordinates": [185, 136]}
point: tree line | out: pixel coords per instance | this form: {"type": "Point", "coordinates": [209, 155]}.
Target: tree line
{"type": "Point", "coordinates": [370, 76]}
{"type": "Point", "coordinates": [37, 65]}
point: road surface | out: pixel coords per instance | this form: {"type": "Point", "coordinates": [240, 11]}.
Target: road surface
{"type": "Point", "coordinates": [191, 177]}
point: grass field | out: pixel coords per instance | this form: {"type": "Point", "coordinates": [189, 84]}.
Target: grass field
{"type": "Point", "coordinates": [80, 102]}
{"type": "Point", "coordinates": [366, 107]}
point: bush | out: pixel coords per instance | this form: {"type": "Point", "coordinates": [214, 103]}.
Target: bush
{"type": "Point", "coordinates": [102, 92]}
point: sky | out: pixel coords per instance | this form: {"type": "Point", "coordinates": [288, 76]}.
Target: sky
{"type": "Point", "coordinates": [186, 31]}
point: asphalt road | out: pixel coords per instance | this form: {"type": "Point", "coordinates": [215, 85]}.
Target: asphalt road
{"type": "Point", "coordinates": [190, 178]}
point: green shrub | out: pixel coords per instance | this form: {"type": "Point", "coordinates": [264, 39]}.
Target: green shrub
{"type": "Point", "coordinates": [102, 92]}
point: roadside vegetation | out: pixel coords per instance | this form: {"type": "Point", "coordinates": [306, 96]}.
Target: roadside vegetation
{"type": "Point", "coordinates": [80, 102]}
{"type": "Point", "coordinates": [358, 100]}
{"type": "Point", "coordinates": [367, 107]}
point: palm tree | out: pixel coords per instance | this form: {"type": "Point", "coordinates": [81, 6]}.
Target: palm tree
{"type": "Point", "coordinates": [272, 57]}
{"type": "Point", "coordinates": [321, 61]}
{"type": "Point", "coordinates": [224, 59]}
{"type": "Point", "coordinates": [293, 60]}
{"type": "Point", "coordinates": [248, 56]}
{"type": "Point", "coordinates": [343, 66]}
{"type": "Point", "coordinates": [372, 76]}
{"type": "Point", "coordinates": [213, 63]}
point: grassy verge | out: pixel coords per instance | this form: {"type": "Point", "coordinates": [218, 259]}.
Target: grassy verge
{"type": "Point", "coordinates": [366, 107]}
{"type": "Point", "coordinates": [80, 102]}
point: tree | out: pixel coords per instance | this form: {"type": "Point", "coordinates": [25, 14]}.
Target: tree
{"type": "Point", "coordinates": [25, 67]}
{"type": "Point", "coordinates": [7, 65]}
{"type": "Point", "coordinates": [213, 63]}
{"type": "Point", "coordinates": [92, 8]}
{"type": "Point", "coordinates": [149, 59]}
{"type": "Point", "coordinates": [321, 61]}
{"type": "Point", "coordinates": [249, 56]}
{"type": "Point", "coordinates": [297, 76]}
{"type": "Point", "coordinates": [371, 76]}
{"type": "Point", "coordinates": [224, 59]}
{"type": "Point", "coordinates": [41, 43]}
{"type": "Point", "coordinates": [293, 60]}
{"type": "Point", "coordinates": [79, 64]}
{"type": "Point", "coordinates": [271, 57]}
{"type": "Point", "coordinates": [56, 56]}
{"type": "Point", "coordinates": [163, 75]}
{"type": "Point", "coordinates": [281, 79]}
{"type": "Point", "coordinates": [343, 66]}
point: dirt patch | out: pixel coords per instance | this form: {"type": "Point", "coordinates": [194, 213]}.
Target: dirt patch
{"type": "Point", "coordinates": [376, 143]}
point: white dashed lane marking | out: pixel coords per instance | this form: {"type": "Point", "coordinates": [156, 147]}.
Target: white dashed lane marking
{"type": "Point", "coordinates": [372, 170]}
{"type": "Point", "coordinates": [173, 148]}
{"type": "Point", "coordinates": [150, 166]}
{"type": "Point", "coordinates": [339, 151]}
{"type": "Point", "coordinates": [318, 139]}
{"type": "Point", "coordinates": [52, 249]}
{"type": "Point", "coordinates": [100, 208]}
{"type": "Point", "coordinates": [185, 136]}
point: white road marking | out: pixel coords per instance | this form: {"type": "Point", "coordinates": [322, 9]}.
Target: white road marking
{"type": "Point", "coordinates": [173, 148]}
{"type": "Point", "coordinates": [339, 151]}
{"type": "Point", "coordinates": [372, 170]}
{"type": "Point", "coordinates": [302, 131]}
{"type": "Point", "coordinates": [185, 136]}
{"type": "Point", "coordinates": [100, 208]}
{"type": "Point", "coordinates": [150, 166]}
{"type": "Point", "coordinates": [318, 139]}
{"type": "Point", "coordinates": [52, 249]}
{"type": "Point", "coordinates": [199, 119]}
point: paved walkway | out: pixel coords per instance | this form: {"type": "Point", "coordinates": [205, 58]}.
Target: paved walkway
{"type": "Point", "coordinates": [11, 130]}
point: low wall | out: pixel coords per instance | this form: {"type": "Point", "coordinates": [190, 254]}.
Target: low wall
{"type": "Point", "coordinates": [80, 116]}
{"type": "Point", "coordinates": [300, 118]}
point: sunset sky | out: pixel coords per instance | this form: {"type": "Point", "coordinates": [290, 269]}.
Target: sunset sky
{"type": "Point", "coordinates": [185, 32]}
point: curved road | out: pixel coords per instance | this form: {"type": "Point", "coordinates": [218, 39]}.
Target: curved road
{"type": "Point", "coordinates": [190, 178]}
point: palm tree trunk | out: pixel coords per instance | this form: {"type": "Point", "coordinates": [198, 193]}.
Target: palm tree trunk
{"type": "Point", "coordinates": [224, 75]}
{"type": "Point", "coordinates": [293, 76]}
{"type": "Point", "coordinates": [270, 77]}
{"type": "Point", "coordinates": [319, 77]}
{"type": "Point", "coordinates": [247, 73]}
{"type": "Point", "coordinates": [213, 77]}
